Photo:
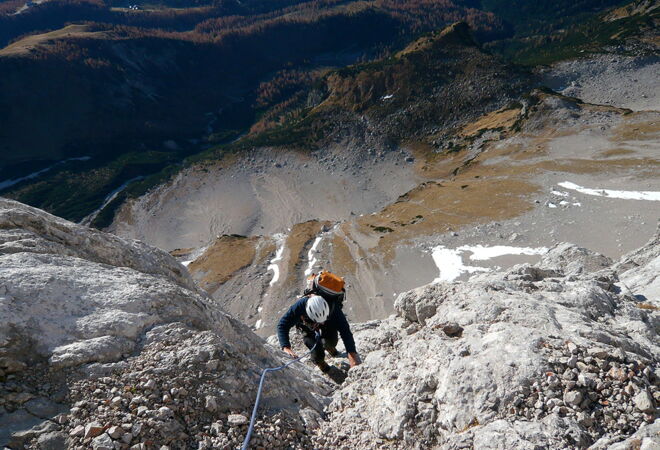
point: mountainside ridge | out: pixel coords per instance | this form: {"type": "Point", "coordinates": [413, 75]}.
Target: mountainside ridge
{"type": "Point", "coordinates": [562, 354]}
{"type": "Point", "coordinates": [96, 327]}
{"type": "Point", "coordinates": [555, 355]}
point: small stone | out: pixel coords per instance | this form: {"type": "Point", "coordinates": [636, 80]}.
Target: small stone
{"type": "Point", "coordinates": [165, 413]}
{"type": "Point", "coordinates": [54, 440]}
{"type": "Point", "coordinates": [237, 419]}
{"type": "Point", "coordinates": [586, 380]}
{"type": "Point", "coordinates": [598, 352]}
{"type": "Point", "coordinates": [137, 400]}
{"type": "Point", "coordinates": [167, 398]}
{"type": "Point", "coordinates": [553, 381]}
{"type": "Point", "coordinates": [142, 410]}
{"type": "Point", "coordinates": [585, 420]}
{"type": "Point", "coordinates": [77, 431]}
{"type": "Point", "coordinates": [211, 404]}
{"type": "Point", "coordinates": [103, 442]}
{"type": "Point", "coordinates": [216, 428]}
{"type": "Point", "coordinates": [93, 429]}
{"type": "Point", "coordinates": [644, 402]}
{"type": "Point", "coordinates": [115, 402]}
{"type": "Point", "coordinates": [453, 330]}
{"type": "Point", "coordinates": [127, 438]}
{"type": "Point", "coordinates": [212, 365]}
{"type": "Point", "coordinates": [572, 361]}
{"type": "Point", "coordinates": [619, 354]}
{"type": "Point", "coordinates": [617, 373]}
{"type": "Point", "coordinates": [150, 384]}
{"type": "Point", "coordinates": [115, 432]}
{"type": "Point", "coordinates": [572, 347]}
{"type": "Point", "coordinates": [137, 429]}
{"type": "Point", "coordinates": [573, 398]}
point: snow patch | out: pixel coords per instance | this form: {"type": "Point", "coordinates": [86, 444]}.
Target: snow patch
{"type": "Point", "coordinates": [450, 261]}
{"type": "Point", "coordinates": [278, 257]}
{"type": "Point", "coordinates": [194, 255]}
{"type": "Point", "coordinates": [481, 253]}
{"type": "Point", "coordinates": [311, 256]}
{"type": "Point", "coordinates": [258, 324]}
{"type": "Point", "coordinates": [625, 195]}
{"type": "Point", "coordinates": [551, 205]}
{"type": "Point", "coordinates": [560, 194]}
{"type": "Point", "coordinates": [387, 97]}
{"type": "Point", "coordinates": [450, 264]}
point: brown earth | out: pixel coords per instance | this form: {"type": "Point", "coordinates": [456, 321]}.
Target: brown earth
{"type": "Point", "coordinates": [296, 242]}
{"type": "Point", "coordinates": [502, 119]}
{"type": "Point", "coordinates": [29, 43]}
{"type": "Point", "coordinates": [222, 260]}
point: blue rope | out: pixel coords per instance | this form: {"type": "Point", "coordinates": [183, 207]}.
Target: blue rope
{"type": "Point", "coordinates": [246, 442]}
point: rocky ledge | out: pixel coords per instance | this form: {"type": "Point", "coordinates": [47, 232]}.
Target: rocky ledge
{"type": "Point", "coordinates": [563, 354]}
{"type": "Point", "coordinates": [107, 343]}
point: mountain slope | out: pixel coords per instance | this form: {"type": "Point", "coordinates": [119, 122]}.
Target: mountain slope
{"type": "Point", "coordinates": [176, 78]}
{"type": "Point", "coordinates": [103, 332]}
{"type": "Point", "coordinates": [556, 355]}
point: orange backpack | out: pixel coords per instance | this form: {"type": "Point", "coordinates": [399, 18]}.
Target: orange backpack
{"type": "Point", "coordinates": [327, 285]}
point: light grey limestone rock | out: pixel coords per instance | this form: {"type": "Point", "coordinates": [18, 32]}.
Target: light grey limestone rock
{"type": "Point", "coordinates": [644, 402]}
{"type": "Point", "coordinates": [44, 408]}
{"type": "Point", "coordinates": [103, 442]}
{"type": "Point", "coordinates": [54, 440]}
{"type": "Point", "coordinates": [500, 382]}
{"type": "Point", "coordinates": [99, 317]}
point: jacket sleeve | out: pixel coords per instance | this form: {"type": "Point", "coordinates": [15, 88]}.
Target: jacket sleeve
{"type": "Point", "coordinates": [288, 320]}
{"type": "Point", "coordinates": [344, 331]}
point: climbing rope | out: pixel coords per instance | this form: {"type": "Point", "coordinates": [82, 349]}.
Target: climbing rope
{"type": "Point", "coordinates": [253, 418]}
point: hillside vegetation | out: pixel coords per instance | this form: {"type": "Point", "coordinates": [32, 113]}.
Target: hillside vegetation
{"type": "Point", "coordinates": [176, 78]}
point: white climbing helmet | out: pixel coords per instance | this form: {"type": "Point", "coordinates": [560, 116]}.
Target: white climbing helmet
{"type": "Point", "coordinates": [317, 308]}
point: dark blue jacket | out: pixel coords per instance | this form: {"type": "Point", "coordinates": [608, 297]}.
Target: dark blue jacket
{"type": "Point", "coordinates": [297, 313]}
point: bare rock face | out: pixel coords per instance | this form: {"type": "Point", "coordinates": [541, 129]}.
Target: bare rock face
{"type": "Point", "coordinates": [111, 341]}
{"type": "Point", "coordinates": [107, 343]}
{"type": "Point", "coordinates": [556, 355]}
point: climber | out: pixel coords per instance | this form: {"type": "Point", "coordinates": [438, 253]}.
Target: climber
{"type": "Point", "coordinates": [309, 314]}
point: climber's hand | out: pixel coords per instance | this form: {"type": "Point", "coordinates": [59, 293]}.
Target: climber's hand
{"type": "Point", "coordinates": [353, 359]}
{"type": "Point", "coordinates": [289, 351]}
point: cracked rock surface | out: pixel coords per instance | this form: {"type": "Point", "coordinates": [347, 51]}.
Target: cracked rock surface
{"type": "Point", "coordinates": [556, 355]}
{"type": "Point", "coordinates": [108, 343]}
